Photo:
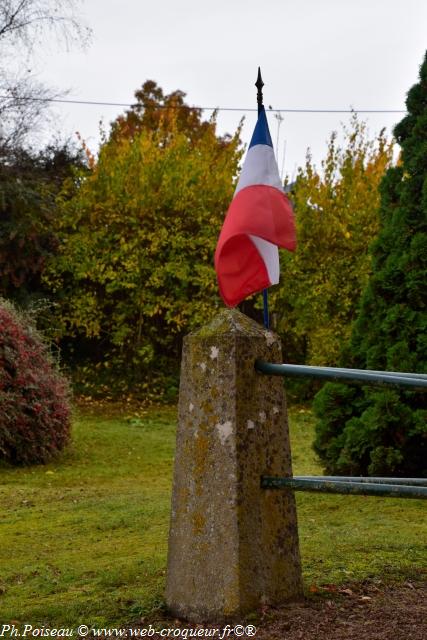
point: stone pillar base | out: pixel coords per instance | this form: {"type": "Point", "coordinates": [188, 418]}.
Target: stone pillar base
{"type": "Point", "coordinates": [232, 545]}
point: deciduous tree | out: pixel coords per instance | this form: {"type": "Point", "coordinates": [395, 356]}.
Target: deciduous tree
{"type": "Point", "coordinates": [135, 269]}
{"type": "Point", "coordinates": [337, 217]}
{"type": "Point", "coordinates": [29, 185]}
{"type": "Point", "coordinates": [24, 26]}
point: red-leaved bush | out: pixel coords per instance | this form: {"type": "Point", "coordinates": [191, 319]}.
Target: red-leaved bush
{"type": "Point", "coordinates": [34, 396]}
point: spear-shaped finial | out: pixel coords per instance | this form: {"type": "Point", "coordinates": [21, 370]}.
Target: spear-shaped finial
{"type": "Point", "coordinates": [259, 85]}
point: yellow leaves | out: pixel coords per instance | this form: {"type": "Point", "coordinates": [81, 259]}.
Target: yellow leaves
{"type": "Point", "coordinates": [337, 218]}
{"type": "Point", "coordinates": [141, 233]}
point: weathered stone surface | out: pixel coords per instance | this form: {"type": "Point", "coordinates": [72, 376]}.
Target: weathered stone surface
{"type": "Point", "coordinates": [232, 545]}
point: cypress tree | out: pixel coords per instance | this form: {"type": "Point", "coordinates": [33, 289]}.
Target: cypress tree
{"type": "Point", "coordinates": [379, 430]}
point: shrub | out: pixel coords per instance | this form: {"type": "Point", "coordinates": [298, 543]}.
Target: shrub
{"type": "Point", "coordinates": [366, 431]}
{"type": "Point", "coordinates": [34, 396]}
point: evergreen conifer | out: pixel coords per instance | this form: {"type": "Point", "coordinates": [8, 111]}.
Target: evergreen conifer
{"type": "Point", "coordinates": [379, 430]}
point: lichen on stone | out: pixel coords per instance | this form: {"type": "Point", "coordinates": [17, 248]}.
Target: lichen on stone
{"type": "Point", "coordinates": [232, 321]}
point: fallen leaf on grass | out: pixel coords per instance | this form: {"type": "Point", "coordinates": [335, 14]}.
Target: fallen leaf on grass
{"type": "Point", "coordinates": [330, 587]}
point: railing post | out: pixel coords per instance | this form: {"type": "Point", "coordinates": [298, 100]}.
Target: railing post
{"type": "Point", "coordinates": [232, 545]}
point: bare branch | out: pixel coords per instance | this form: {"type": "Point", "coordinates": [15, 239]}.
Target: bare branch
{"type": "Point", "coordinates": [26, 21]}
{"type": "Point", "coordinates": [23, 25]}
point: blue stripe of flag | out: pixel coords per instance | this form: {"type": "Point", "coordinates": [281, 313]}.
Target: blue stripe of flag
{"type": "Point", "coordinates": [261, 134]}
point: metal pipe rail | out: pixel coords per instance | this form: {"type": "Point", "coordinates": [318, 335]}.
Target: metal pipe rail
{"type": "Point", "coordinates": [416, 380]}
{"type": "Point", "coordinates": [418, 482]}
{"type": "Point", "coordinates": [399, 374]}
{"type": "Point", "coordinates": [345, 487]}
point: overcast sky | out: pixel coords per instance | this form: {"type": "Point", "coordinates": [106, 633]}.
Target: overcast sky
{"type": "Point", "coordinates": [314, 54]}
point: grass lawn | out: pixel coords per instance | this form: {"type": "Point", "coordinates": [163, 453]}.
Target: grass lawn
{"type": "Point", "coordinates": [84, 540]}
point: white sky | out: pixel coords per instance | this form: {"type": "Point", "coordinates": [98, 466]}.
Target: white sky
{"type": "Point", "coordinates": [313, 54]}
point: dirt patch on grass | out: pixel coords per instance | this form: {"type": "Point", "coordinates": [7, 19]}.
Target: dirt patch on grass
{"type": "Point", "coordinates": [364, 611]}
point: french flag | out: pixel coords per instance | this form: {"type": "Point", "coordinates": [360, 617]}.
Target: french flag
{"type": "Point", "coordinates": [259, 220]}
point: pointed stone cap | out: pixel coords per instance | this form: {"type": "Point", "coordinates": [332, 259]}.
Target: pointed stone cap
{"type": "Point", "coordinates": [233, 321]}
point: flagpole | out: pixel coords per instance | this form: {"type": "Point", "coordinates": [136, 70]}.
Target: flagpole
{"type": "Point", "coordinates": [259, 85]}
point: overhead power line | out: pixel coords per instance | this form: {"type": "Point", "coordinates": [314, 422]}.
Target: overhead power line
{"type": "Point", "coordinates": [240, 109]}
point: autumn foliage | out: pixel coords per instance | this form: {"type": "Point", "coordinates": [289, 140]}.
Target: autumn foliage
{"type": "Point", "coordinates": [337, 215]}
{"type": "Point", "coordinates": [134, 272]}
{"type": "Point", "coordinates": [134, 234]}
{"type": "Point", "coordinates": [34, 396]}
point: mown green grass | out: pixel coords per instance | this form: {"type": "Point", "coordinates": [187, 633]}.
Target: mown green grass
{"type": "Point", "coordinates": [345, 538]}
{"type": "Point", "coordinates": [84, 539]}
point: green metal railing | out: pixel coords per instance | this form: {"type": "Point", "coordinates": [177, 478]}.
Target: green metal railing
{"type": "Point", "coordinates": [349, 487]}
{"type": "Point", "coordinates": [386, 487]}
{"type": "Point", "coordinates": [416, 380]}
{"type": "Point", "coordinates": [418, 482]}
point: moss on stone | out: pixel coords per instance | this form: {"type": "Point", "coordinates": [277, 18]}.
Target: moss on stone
{"type": "Point", "coordinates": [230, 321]}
